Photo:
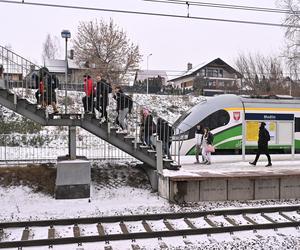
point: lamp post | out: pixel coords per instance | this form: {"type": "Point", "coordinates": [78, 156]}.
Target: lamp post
{"type": "Point", "coordinates": [147, 72]}
{"type": "Point", "coordinates": [66, 34]}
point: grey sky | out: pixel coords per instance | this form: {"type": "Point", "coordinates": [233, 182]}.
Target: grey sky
{"type": "Point", "coordinates": [172, 42]}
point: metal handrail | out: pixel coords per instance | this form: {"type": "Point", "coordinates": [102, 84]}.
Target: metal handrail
{"type": "Point", "coordinates": [140, 123]}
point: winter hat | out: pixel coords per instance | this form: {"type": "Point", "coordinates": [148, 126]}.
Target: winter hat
{"type": "Point", "coordinates": [146, 112]}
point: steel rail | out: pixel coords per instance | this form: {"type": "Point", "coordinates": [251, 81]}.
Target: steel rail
{"type": "Point", "coordinates": [144, 235]}
{"type": "Point", "coordinates": [141, 217]}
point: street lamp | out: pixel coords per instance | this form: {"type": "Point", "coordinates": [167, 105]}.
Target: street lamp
{"type": "Point", "coordinates": [148, 72]}
{"type": "Point", "coordinates": [66, 34]}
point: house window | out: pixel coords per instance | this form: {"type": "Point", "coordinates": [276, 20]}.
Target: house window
{"type": "Point", "coordinates": [221, 73]}
{"type": "Point", "coordinates": [212, 73]}
{"type": "Point", "coordinates": [210, 84]}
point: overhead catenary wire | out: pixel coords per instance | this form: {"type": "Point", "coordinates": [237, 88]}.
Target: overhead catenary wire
{"type": "Point", "coordinates": [151, 14]}
{"type": "Point", "coordinates": [224, 6]}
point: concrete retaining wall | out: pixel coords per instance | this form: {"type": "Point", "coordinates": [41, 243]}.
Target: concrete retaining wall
{"type": "Point", "coordinates": [213, 189]}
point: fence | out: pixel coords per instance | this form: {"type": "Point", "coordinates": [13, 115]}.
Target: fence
{"type": "Point", "coordinates": [46, 147]}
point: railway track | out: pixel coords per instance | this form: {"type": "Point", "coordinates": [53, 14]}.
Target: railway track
{"type": "Point", "coordinates": [96, 229]}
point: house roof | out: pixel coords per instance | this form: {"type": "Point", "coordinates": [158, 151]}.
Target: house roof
{"type": "Point", "coordinates": [142, 75]}
{"type": "Point", "coordinates": [58, 66]}
{"type": "Point", "coordinates": [214, 63]}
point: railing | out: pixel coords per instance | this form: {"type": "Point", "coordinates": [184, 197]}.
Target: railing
{"type": "Point", "coordinates": [38, 85]}
{"type": "Point", "coordinates": [38, 148]}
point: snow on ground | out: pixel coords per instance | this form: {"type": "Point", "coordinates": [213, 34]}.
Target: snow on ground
{"type": "Point", "coordinates": [116, 197]}
{"type": "Point", "coordinates": [23, 203]}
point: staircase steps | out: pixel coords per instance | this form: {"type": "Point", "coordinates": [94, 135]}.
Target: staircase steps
{"type": "Point", "coordinates": [89, 122]}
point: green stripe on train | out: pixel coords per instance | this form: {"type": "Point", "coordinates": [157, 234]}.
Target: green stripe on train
{"type": "Point", "coordinates": [228, 133]}
{"type": "Point", "coordinates": [237, 144]}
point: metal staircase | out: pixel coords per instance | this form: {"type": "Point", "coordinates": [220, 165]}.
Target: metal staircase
{"type": "Point", "coordinates": [17, 95]}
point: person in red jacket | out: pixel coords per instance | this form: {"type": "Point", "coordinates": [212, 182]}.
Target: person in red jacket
{"type": "Point", "coordinates": [88, 99]}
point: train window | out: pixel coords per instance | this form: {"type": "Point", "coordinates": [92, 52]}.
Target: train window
{"type": "Point", "coordinates": [297, 124]}
{"type": "Point", "coordinates": [215, 120]}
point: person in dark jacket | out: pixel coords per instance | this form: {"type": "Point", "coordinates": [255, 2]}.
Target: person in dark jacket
{"type": "Point", "coordinates": [263, 139]}
{"type": "Point", "coordinates": [103, 88]}
{"type": "Point", "coordinates": [149, 129]}
{"type": "Point", "coordinates": [198, 142]}
{"type": "Point", "coordinates": [207, 140]}
{"type": "Point", "coordinates": [46, 93]}
{"type": "Point", "coordinates": [164, 132]}
{"type": "Point", "coordinates": [124, 106]}
{"type": "Point", "coordinates": [50, 87]}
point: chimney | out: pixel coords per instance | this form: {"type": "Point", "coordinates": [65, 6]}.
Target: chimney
{"type": "Point", "coordinates": [189, 66]}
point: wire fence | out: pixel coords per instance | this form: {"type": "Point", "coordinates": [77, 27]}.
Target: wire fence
{"type": "Point", "coordinates": [41, 148]}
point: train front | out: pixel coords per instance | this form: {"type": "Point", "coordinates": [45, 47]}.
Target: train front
{"type": "Point", "coordinates": [221, 114]}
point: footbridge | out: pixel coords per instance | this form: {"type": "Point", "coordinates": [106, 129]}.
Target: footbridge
{"type": "Point", "coordinates": [18, 86]}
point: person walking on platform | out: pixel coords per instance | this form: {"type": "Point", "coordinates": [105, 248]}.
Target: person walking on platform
{"type": "Point", "coordinates": [263, 139]}
{"type": "Point", "coordinates": [207, 142]}
{"type": "Point", "coordinates": [102, 90]}
{"type": "Point", "coordinates": [88, 99]}
{"type": "Point", "coordinates": [198, 139]}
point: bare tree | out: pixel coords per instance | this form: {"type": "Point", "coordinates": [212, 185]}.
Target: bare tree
{"type": "Point", "coordinates": [261, 74]}
{"type": "Point", "coordinates": [51, 48]}
{"type": "Point", "coordinates": [106, 48]}
{"type": "Point", "coordinates": [291, 50]}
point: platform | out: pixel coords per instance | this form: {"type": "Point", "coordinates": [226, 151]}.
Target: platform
{"type": "Point", "coordinates": [231, 178]}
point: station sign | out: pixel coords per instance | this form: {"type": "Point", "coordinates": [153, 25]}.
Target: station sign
{"type": "Point", "coordinates": [269, 116]}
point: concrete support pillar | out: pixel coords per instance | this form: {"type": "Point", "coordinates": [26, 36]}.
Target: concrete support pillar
{"type": "Point", "coordinates": [72, 142]}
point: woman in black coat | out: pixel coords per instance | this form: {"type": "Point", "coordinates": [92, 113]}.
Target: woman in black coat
{"type": "Point", "coordinates": [263, 139]}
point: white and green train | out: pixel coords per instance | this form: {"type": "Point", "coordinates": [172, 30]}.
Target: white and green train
{"type": "Point", "coordinates": [225, 116]}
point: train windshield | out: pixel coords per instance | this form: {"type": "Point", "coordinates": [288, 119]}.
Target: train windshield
{"type": "Point", "coordinates": [215, 120]}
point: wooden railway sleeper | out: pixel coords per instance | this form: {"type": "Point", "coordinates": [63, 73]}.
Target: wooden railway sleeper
{"type": "Point", "coordinates": [268, 218]}
{"type": "Point", "coordinates": [286, 217]}
{"type": "Point", "coordinates": [101, 230]}
{"type": "Point", "coordinates": [135, 247]}
{"type": "Point", "coordinates": [124, 228]}
{"type": "Point", "coordinates": [51, 232]}
{"type": "Point", "coordinates": [249, 219]}
{"type": "Point", "coordinates": [231, 221]}
{"type": "Point", "coordinates": [147, 226]}
{"type": "Point", "coordinates": [25, 234]}
{"type": "Point", "coordinates": [76, 231]}
{"type": "Point", "coordinates": [210, 222]}
{"type": "Point", "coordinates": [168, 225]}
{"type": "Point", "coordinates": [189, 223]}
